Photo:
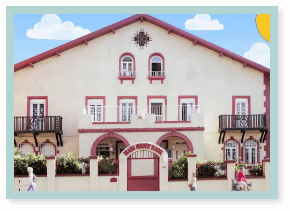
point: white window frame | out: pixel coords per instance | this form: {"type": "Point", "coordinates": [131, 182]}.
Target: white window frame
{"type": "Point", "coordinates": [151, 72]}
{"type": "Point", "coordinates": [250, 152]}
{"type": "Point", "coordinates": [28, 145]}
{"type": "Point", "coordinates": [120, 109]}
{"type": "Point", "coordinates": [97, 103]}
{"type": "Point", "coordinates": [126, 72]}
{"type": "Point", "coordinates": [230, 148]}
{"type": "Point", "coordinates": [163, 107]}
{"type": "Point", "coordinates": [47, 144]}
{"type": "Point", "coordinates": [242, 100]}
{"type": "Point", "coordinates": [38, 102]}
{"type": "Point", "coordinates": [187, 101]}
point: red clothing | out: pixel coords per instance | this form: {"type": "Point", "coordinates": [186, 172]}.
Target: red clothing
{"type": "Point", "coordinates": [241, 177]}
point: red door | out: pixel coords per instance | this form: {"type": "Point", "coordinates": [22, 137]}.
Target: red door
{"type": "Point", "coordinates": [143, 171]}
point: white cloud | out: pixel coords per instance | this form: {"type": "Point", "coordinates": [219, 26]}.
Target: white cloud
{"type": "Point", "coordinates": [51, 27]}
{"type": "Point", "coordinates": [203, 22]}
{"type": "Point", "coordinates": [259, 53]}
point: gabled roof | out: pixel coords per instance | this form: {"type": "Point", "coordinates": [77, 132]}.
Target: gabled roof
{"type": "Point", "coordinates": [140, 17]}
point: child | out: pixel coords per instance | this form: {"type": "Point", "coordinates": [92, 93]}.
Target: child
{"type": "Point", "coordinates": [192, 184]}
{"type": "Point", "coordinates": [32, 179]}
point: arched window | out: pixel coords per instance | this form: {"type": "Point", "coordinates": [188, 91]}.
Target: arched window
{"type": "Point", "coordinates": [127, 66]}
{"type": "Point", "coordinates": [26, 148]}
{"type": "Point", "coordinates": [48, 149]}
{"type": "Point", "coordinates": [250, 151]}
{"type": "Point", "coordinates": [231, 150]}
{"type": "Point", "coordinates": [156, 66]}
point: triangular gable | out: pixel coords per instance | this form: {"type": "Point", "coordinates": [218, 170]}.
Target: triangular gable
{"type": "Point", "coordinates": [140, 17]}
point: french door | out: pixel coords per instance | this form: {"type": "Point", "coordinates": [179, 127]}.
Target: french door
{"type": "Point", "coordinates": [241, 112]}
{"type": "Point", "coordinates": [127, 109]}
{"type": "Point", "coordinates": [37, 113]}
{"type": "Point", "coordinates": [96, 109]}
{"type": "Point", "coordinates": [127, 65]}
{"type": "Point", "coordinates": [187, 108]}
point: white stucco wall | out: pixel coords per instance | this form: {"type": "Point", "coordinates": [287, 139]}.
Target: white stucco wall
{"type": "Point", "coordinates": [72, 183]}
{"type": "Point", "coordinates": [92, 70]}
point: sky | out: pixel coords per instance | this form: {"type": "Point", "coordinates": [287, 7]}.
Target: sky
{"type": "Point", "coordinates": [37, 33]}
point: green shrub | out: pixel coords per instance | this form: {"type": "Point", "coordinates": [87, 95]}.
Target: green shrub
{"type": "Point", "coordinates": [198, 160]}
{"type": "Point", "coordinates": [207, 170]}
{"type": "Point", "coordinates": [37, 162]}
{"type": "Point", "coordinates": [239, 166]}
{"type": "Point", "coordinates": [256, 170]}
{"type": "Point", "coordinates": [17, 152]}
{"type": "Point", "coordinates": [179, 167]}
{"type": "Point", "coordinates": [108, 167]}
{"type": "Point", "coordinates": [84, 160]}
{"type": "Point", "coordinates": [68, 165]}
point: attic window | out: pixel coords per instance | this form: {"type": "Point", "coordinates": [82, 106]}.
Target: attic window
{"type": "Point", "coordinates": [141, 39]}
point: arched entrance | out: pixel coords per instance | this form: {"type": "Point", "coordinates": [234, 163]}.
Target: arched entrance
{"type": "Point", "coordinates": [175, 144]}
{"type": "Point", "coordinates": [109, 145]}
{"type": "Point", "coordinates": [143, 166]}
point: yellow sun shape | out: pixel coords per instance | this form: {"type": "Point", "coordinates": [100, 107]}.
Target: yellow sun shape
{"type": "Point", "coordinates": [263, 25]}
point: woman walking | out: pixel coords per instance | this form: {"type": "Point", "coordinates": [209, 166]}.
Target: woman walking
{"type": "Point", "coordinates": [192, 184]}
{"type": "Point", "coordinates": [32, 179]}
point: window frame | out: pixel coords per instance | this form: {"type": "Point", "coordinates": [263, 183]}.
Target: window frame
{"type": "Point", "coordinates": [119, 98]}
{"type": "Point", "coordinates": [25, 142]}
{"type": "Point", "coordinates": [124, 77]}
{"type": "Point", "coordinates": [257, 152]}
{"type": "Point", "coordinates": [157, 99]}
{"type": "Point", "coordinates": [29, 98]}
{"type": "Point", "coordinates": [122, 62]}
{"type": "Point", "coordinates": [186, 97]}
{"type": "Point", "coordinates": [161, 62]}
{"type": "Point", "coordinates": [47, 142]}
{"type": "Point", "coordinates": [231, 151]}
{"type": "Point", "coordinates": [234, 98]}
{"type": "Point", "coordinates": [87, 98]}
{"type": "Point", "coordinates": [162, 77]}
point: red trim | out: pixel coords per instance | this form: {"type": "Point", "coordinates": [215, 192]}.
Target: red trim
{"type": "Point", "coordinates": [254, 177]}
{"type": "Point", "coordinates": [118, 107]}
{"type": "Point", "coordinates": [266, 160]}
{"type": "Point", "coordinates": [140, 129]}
{"type": "Point", "coordinates": [122, 78]}
{"type": "Point", "coordinates": [93, 157]}
{"type": "Point", "coordinates": [107, 175]}
{"type": "Point", "coordinates": [230, 161]}
{"type": "Point", "coordinates": [108, 135]}
{"type": "Point", "coordinates": [113, 179]}
{"type": "Point", "coordinates": [110, 123]}
{"type": "Point", "coordinates": [71, 175]}
{"type": "Point", "coordinates": [179, 135]}
{"type": "Point", "coordinates": [258, 149]}
{"type": "Point", "coordinates": [44, 175]}
{"type": "Point", "coordinates": [177, 180]}
{"type": "Point", "coordinates": [222, 178]}
{"type": "Point", "coordinates": [267, 107]}
{"type": "Point", "coordinates": [37, 97]}
{"type": "Point", "coordinates": [128, 21]}
{"type": "Point", "coordinates": [195, 97]}
{"type": "Point", "coordinates": [46, 142]}
{"type": "Point", "coordinates": [27, 142]}
{"type": "Point", "coordinates": [161, 78]}
{"type": "Point", "coordinates": [158, 97]}
{"type": "Point", "coordinates": [50, 158]}
{"type": "Point", "coordinates": [224, 148]}
{"type": "Point", "coordinates": [158, 122]}
{"type": "Point", "coordinates": [191, 156]}
{"type": "Point", "coordinates": [97, 98]}
{"type": "Point", "coordinates": [239, 97]}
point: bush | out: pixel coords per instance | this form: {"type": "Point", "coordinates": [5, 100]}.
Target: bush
{"type": "Point", "coordinates": [239, 166]}
{"type": "Point", "coordinates": [68, 165]}
{"type": "Point", "coordinates": [207, 170]}
{"type": "Point", "coordinates": [37, 162]}
{"type": "Point", "coordinates": [179, 167]}
{"type": "Point", "coordinates": [17, 152]}
{"type": "Point", "coordinates": [256, 170]}
{"type": "Point", "coordinates": [198, 160]}
{"type": "Point", "coordinates": [108, 167]}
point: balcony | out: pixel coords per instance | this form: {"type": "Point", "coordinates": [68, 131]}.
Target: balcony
{"type": "Point", "coordinates": [127, 75]}
{"type": "Point", "coordinates": [154, 116]}
{"type": "Point", "coordinates": [244, 123]}
{"type": "Point", "coordinates": [38, 124]}
{"type": "Point", "coordinates": [156, 75]}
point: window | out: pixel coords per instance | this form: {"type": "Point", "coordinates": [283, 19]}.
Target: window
{"type": "Point", "coordinates": [156, 66]}
{"type": "Point", "coordinates": [250, 152]}
{"type": "Point", "coordinates": [187, 107]}
{"type": "Point", "coordinates": [104, 152]}
{"type": "Point", "coordinates": [231, 150]}
{"type": "Point", "coordinates": [127, 109]}
{"type": "Point", "coordinates": [26, 148]}
{"type": "Point", "coordinates": [127, 66]}
{"type": "Point", "coordinates": [241, 112]}
{"type": "Point", "coordinates": [37, 114]}
{"type": "Point", "coordinates": [48, 149]}
{"type": "Point", "coordinates": [157, 106]}
{"type": "Point", "coordinates": [95, 108]}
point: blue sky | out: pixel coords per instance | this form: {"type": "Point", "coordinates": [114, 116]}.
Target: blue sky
{"type": "Point", "coordinates": [239, 32]}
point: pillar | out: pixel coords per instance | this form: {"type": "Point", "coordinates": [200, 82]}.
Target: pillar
{"type": "Point", "coordinates": [191, 159]}
{"type": "Point", "coordinates": [267, 173]}
{"type": "Point", "coordinates": [122, 172]}
{"type": "Point", "coordinates": [231, 165]}
{"type": "Point", "coordinates": [51, 167]}
{"type": "Point", "coordinates": [94, 178]}
{"type": "Point", "coordinates": [163, 172]}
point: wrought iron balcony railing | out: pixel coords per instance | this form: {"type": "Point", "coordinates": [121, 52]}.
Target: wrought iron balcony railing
{"type": "Point", "coordinates": [33, 124]}
{"type": "Point", "coordinates": [243, 122]}
{"type": "Point", "coordinates": [156, 73]}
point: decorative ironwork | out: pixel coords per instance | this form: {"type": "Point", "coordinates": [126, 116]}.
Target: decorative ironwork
{"type": "Point", "coordinates": [141, 38]}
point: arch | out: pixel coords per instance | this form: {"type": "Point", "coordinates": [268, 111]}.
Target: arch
{"type": "Point", "coordinates": [127, 54]}
{"type": "Point", "coordinates": [108, 135]}
{"type": "Point", "coordinates": [239, 147]}
{"type": "Point", "coordinates": [47, 142]}
{"type": "Point", "coordinates": [251, 138]}
{"type": "Point", "coordinates": [144, 146]}
{"type": "Point", "coordinates": [27, 142]}
{"type": "Point", "coordinates": [162, 58]}
{"type": "Point", "coordinates": [179, 135]}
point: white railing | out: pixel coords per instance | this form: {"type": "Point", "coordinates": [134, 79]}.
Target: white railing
{"type": "Point", "coordinates": [127, 73]}
{"type": "Point", "coordinates": [157, 73]}
{"type": "Point", "coordinates": [124, 114]}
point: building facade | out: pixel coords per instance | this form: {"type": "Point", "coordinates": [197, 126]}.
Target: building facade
{"type": "Point", "coordinates": [142, 80]}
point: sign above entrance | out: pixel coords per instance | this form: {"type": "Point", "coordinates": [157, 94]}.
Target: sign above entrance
{"type": "Point", "coordinates": [140, 146]}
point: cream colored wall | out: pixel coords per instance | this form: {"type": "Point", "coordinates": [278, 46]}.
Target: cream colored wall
{"type": "Point", "coordinates": [73, 183]}
{"type": "Point", "coordinates": [92, 70]}
{"type": "Point", "coordinates": [211, 185]}
{"type": "Point", "coordinates": [22, 183]}
{"type": "Point", "coordinates": [106, 185]}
